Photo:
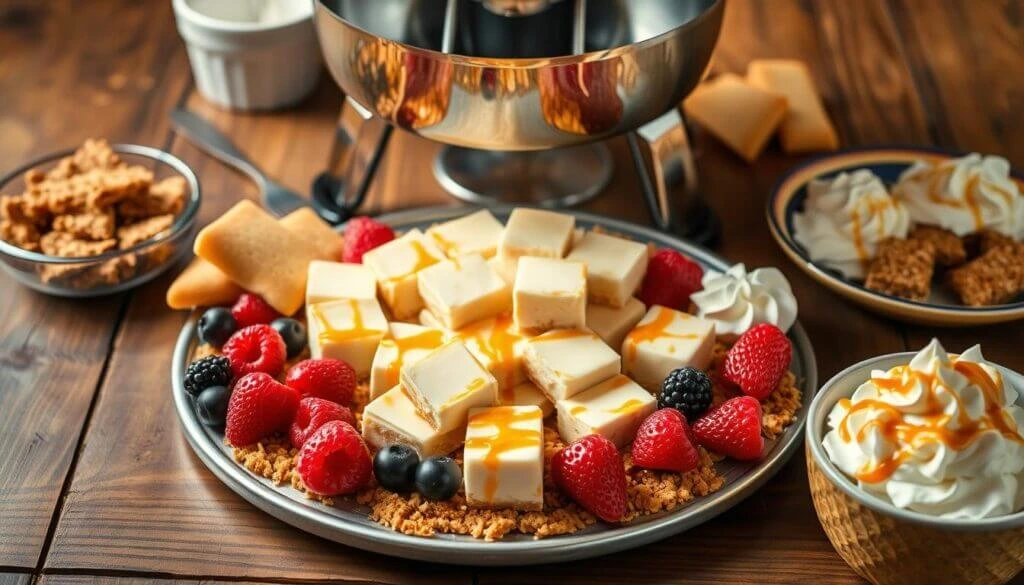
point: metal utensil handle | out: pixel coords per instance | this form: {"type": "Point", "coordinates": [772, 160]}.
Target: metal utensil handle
{"type": "Point", "coordinates": [208, 139]}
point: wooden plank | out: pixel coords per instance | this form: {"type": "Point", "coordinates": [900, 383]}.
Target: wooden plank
{"type": "Point", "coordinates": [973, 105]}
{"type": "Point", "coordinates": [15, 579]}
{"type": "Point", "coordinates": [52, 351]}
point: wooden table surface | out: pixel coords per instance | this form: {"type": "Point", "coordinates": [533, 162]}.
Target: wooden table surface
{"type": "Point", "coordinates": [97, 482]}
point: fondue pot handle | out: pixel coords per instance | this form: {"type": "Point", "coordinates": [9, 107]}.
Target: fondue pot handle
{"type": "Point", "coordinates": [668, 177]}
{"type": "Point", "coordinates": [360, 141]}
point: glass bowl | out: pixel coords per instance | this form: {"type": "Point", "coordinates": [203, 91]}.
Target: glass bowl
{"type": "Point", "coordinates": [116, 270]}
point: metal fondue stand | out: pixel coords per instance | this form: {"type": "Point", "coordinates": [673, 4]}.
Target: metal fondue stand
{"type": "Point", "coordinates": [521, 92]}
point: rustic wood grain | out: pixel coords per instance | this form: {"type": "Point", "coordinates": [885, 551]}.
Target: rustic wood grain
{"type": "Point", "coordinates": [52, 351]}
{"type": "Point", "coordinates": [15, 579]}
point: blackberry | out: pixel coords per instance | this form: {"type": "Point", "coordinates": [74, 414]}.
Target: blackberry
{"type": "Point", "coordinates": [212, 370]}
{"type": "Point", "coordinates": [688, 390]}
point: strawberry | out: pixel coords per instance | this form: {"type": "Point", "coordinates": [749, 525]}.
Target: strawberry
{"type": "Point", "coordinates": [325, 378]}
{"type": "Point", "coordinates": [256, 348]}
{"type": "Point", "coordinates": [251, 309]}
{"type": "Point", "coordinates": [314, 413]}
{"type": "Point", "coordinates": [664, 441]}
{"type": "Point", "coordinates": [732, 429]}
{"type": "Point", "coordinates": [363, 234]}
{"type": "Point", "coordinates": [758, 360]}
{"type": "Point", "coordinates": [670, 280]}
{"type": "Point", "coordinates": [259, 407]}
{"type": "Point", "coordinates": [590, 471]}
{"type": "Point", "coordinates": [334, 460]}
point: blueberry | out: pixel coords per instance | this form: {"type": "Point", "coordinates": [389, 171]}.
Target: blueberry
{"type": "Point", "coordinates": [293, 333]}
{"type": "Point", "coordinates": [212, 405]}
{"type": "Point", "coordinates": [438, 478]}
{"type": "Point", "coordinates": [395, 467]}
{"type": "Point", "coordinates": [216, 326]}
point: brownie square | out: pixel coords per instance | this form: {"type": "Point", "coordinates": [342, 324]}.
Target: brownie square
{"type": "Point", "coordinates": [902, 268]}
{"type": "Point", "coordinates": [949, 248]}
{"type": "Point", "coordinates": [995, 277]}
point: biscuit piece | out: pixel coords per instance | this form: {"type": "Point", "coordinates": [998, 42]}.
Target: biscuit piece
{"type": "Point", "coordinates": [25, 208]}
{"type": "Point", "coordinates": [201, 284]}
{"type": "Point", "coordinates": [89, 225]}
{"type": "Point", "coordinates": [67, 245]}
{"type": "Point", "coordinates": [253, 250]}
{"type": "Point", "coordinates": [21, 234]}
{"type": "Point", "coordinates": [305, 223]}
{"type": "Point", "coordinates": [949, 248]}
{"type": "Point", "coordinates": [167, 196]}
{"type": "Point", "coordinates": [740, 115]}
{"type": "Point", "coordinates": [989, 239]}
{"type": "Point", "coordinates": [135, 233]}
{"type": "Point", "coordinates": [806, 127]}
{"type": "Point", "coordinates": [995, 277]}
{"type": "Point", "coordinates": [902, 268]}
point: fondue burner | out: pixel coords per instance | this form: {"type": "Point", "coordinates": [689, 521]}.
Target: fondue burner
{"type": "Point", "coordinates": [521, 92]}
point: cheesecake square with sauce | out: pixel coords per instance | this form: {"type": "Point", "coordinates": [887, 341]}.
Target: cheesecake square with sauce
{"type": "Point", "coordinates": [476, 233]}
{"type": "Point", "coordinates": [348, 329]}
{"type": "Point", "coordinates": [615, 267]}
{"type": "Point", "coordinates": [498, 345]}
{"type": "Point", "coordinates": [612, 324]}
{"type": "Point", "coordinates": [503, 460]}
{"type": "Point", "coordinates": [666, 339]}
{"type": "Point", "coordinates": [330, 281]}
{"type": "Point", "coordinates": [404, 345]}
{"type": "Point", "coordinates": [463, 290]}
{"type": "Point", "coordinates": [613, 409]}
{"type": "Point", "coordinates": [565, 362]}
{"type": "Point", "coordinates": [392, 418]}
{"type": "Point", "coordinates": [534, 232]}
{"type": "Point", "coordinates": [396, 265]}
{"type": "Point", "coordinates": [525, 394]}
{"type": "Point", "coordinates": [446, 383]}
{"type": "Point", "coordinates": [550, 294]}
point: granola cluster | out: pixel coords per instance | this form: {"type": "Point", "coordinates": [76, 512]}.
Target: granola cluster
{"type": "Point", "coordinates": [92, 202]}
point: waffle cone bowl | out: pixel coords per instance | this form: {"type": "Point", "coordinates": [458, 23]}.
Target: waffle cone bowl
{"type": "Point", "coordinates": [884, 549]}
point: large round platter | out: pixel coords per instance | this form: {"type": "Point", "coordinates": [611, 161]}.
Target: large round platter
{"type": "Point", "coordinates": [348, 523]}
{"type": "Point", "coordinates": [787, 199]}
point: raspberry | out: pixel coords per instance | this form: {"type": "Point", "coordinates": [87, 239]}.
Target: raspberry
{"type": "Point", "coordinates": [334, 461]}
{"type": "Point", "coordinates": [758, 360]}
{"type": "Point", "coordinates": [251, 309]}
{"type": "Point", "coordinates": [733, 429]}
{"type": "Point", "coordinates": [363, 234]}
{"type": "Point", "coordinates": [664, 441]}
{"type": "Point", "coordinates": [325, 378]}
{"type": "Point", "coordinates": [590, 471]}
{"type": "Point", "coordinates": [670, 280]}
{"type": "Point", "coordinates": [687, 390]}
{"type": "Point", "coordinates": [256, 348]}
{"type": "Point", "coordinates": [259, 407]}
{"type": "Point", "coordinates": [314, 413]}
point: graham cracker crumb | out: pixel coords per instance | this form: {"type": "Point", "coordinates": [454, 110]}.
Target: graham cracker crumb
{"type": "Point", "coordinates": [995, 277]}
{"type": "Point", "coordinates": [67, 245]}
{"type": "Point", "coordinates": [141, 231]}
{"type": "Point", "coordinates": [22, 234]}
{"type": "Point", "coordinates": [949, 248]}
{"type": "Point", "coordinates": [902, 268]}
{"type": "Point", "coordinates": [989, 239]}
{"type": "Point", "coordinates": [88, 225]}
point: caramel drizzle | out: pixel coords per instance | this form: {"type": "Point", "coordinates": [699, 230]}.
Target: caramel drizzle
{"type": "Point", "coordinates": [894, 427]}
{"type": "Point", "coordinates": [330, 335]}
{"type": "Point", "coordinates": [504, 438]}
{"type": "Point", "coordinates": [447, 246]}
{"type": "Point", "coordinates": [499, 346]}
{"type": "Point", "coordinates": [656, 329]}
{"type": "Point", "coordinates": [423, 260]}
{"type": "Point", "coordinates": [875, 208]}
{"type": "Point", "coordinates": [941, 175]}
{"type": "Point", "coordinates": [424, 340]}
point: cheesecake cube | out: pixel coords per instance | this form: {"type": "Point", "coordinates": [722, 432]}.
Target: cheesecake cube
{"type": "Point", "coordinates": [330, 281]}
{"type": "Point", "coordinates": [503, 460]}
{"type": "Point", "coordinates": [612, 324]}
{"type": "Point", "coordinates": [498, 345]}
{"type": "Point", "coordinates": [463, 290]}
{"type": "Point", "coordinates": [615, 267]}
{"type": "Point", "coordinates": [446, 384]}
{"type": "Point", "coordinates": [534, 232]}
{"type": "Point", "coordinates": [613, 409]}
{"type": "Point", "coordinates": [392, 418]}
{"type": "Point", "coordinates": [404, 345]}
{"type": "Point", "coordinates": [396, 265]}
{"type": "Point", "coordinates": [348, 329]}
{"type": "Point", "coordinates": [666, 339]}
{"type": "Point", "coordinates": [550, 294]}
{"type": "Point", "coordinates": [565, 362]}
{"type": "Point", "coordinates": [476, 233]}
{"type": "Point", "coordinates": [526, 394]}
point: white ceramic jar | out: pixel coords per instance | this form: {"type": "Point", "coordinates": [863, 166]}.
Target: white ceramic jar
{"type": "Point", "coordinates": [251, 54]}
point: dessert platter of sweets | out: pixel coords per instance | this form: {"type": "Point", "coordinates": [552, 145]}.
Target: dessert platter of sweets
{"type": "Point", "coordinates": [912, 233]}
{"type": "Point", "coordinates": [519, 386]}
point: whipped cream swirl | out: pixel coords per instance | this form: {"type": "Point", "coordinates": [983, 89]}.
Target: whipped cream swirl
{"type": "Point", "coordinates": [845, 218]}
{"type": "Point", "coordinates": [941, 436]}
{"type": "Point", "coordinates": [737, 300]}
{"type": "Point", "coordinates": [964, 195]}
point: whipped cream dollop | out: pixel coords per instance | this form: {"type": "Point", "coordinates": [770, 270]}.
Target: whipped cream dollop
{"type": "Point", "coordinates": [941, 436]}
{"type": "Point", "coordinates": [964, 195]}
{"type": "Point", "coordinates": [845, 218]}
{"type": "Point", "coordinates": [737, 300]}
